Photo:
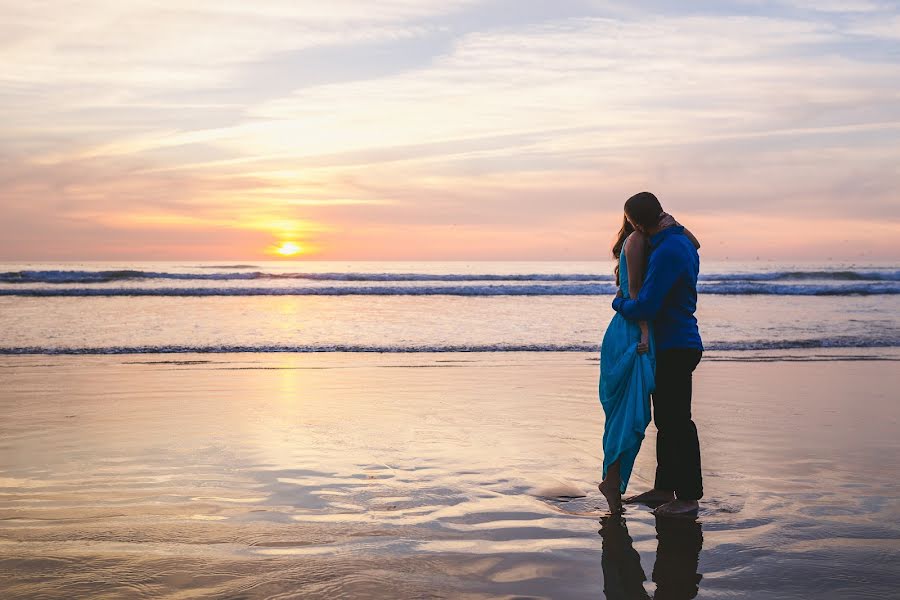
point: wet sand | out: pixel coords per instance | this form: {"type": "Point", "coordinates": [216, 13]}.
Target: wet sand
{"type": "Point", "coordinates": [430, 476]}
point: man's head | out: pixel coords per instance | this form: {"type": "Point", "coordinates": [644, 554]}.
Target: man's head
{"type": "Point", "coordinates": [643, 211]}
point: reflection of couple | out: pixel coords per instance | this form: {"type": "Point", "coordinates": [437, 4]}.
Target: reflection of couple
{"type": "Point", "coordinates": [675, 570]}
{"type": "Point", "coordinates": [652, 346]}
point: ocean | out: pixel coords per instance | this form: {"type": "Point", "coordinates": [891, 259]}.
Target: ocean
{"type": "Point", "coordinates": [432, 430]}
{"type": "Point", "coordinates": [745, 309]}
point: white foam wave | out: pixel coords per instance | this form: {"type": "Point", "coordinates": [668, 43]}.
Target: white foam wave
{"type": "Point", "coordinates": [750, 345]}
{"type": "Point", "coordinates": [100, 277]}
{"type": "Point", "coordinates": [560, 289]}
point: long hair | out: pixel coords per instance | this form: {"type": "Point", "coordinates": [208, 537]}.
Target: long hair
{"type": "Point", "coordinates": [617, 246]}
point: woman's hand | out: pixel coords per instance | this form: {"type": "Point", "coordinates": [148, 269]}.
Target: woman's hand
{"type": "Point", "coordinates": [644, 345]}
{"type": "Point", "coordinates": [667, 220]}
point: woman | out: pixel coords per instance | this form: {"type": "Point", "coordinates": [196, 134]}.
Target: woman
{"type": "Point", "coordinates": [627, 367]}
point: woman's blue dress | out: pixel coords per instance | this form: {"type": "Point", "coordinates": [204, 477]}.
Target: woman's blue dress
{"type": "Point", "coordinates": [626, 381]}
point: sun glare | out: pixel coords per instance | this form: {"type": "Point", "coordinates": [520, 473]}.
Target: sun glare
{"type": "Point", "coordinates": [289, 249]}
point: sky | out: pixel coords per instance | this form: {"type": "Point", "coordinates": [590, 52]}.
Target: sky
{"type": "Point", "coordinates": [446, 130]}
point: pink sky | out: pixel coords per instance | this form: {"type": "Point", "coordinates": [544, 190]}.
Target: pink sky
{"type": "Point", "coordinates": [446, 130]}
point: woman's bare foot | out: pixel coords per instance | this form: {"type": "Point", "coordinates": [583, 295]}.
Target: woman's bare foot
{"type": "Point", "coordinates": [678, 508]}
{"type": "Point", "coordinates": [654, 496]}
{"type": "Point", "coordinates": [612, 495]}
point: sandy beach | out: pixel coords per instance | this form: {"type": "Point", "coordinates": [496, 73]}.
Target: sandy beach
{"type": "Point", "coordinates": [433, 475]}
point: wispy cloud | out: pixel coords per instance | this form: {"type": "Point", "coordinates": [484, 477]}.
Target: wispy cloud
{"type": "Point", "coordinates": [139, 115]}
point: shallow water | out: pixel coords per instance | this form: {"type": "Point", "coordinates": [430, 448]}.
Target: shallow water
{"type": "Point", "coordinates": [431, 475]}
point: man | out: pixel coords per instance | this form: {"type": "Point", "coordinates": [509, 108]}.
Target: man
{"type": "Point", "coordinates": [668, 298]}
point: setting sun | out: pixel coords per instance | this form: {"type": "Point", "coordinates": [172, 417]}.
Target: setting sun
{"type": "Point", "coordinates": [289, 249]}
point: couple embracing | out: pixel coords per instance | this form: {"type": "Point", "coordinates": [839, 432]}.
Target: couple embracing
{"type": "Point", "coordinates": [650, 349]}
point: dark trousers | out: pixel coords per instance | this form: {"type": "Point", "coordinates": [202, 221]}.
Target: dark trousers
{"type": "Point", "coordinates": [677, 446]}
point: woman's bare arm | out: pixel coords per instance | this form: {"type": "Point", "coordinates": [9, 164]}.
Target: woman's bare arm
{"type": "Point", "coordinates": [635, 259]}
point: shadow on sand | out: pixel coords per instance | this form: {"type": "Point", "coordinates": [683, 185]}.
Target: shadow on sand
{"type": "Point", "coordinates": [677, 556]}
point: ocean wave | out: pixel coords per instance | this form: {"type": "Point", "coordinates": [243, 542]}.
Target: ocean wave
{"type": "Point", "coordinates": [112, 276]}
{"type": "Point", "coordinates": [124, 275]}
{"type": "Point", "coordinates": [99, 277]}
{"type": "Point", "coordinates": [226, 267]}
{"type": "Point", "coordinates": [757, 345]}
{"type": "Point", "coordinates": [753, 288]}
{"type": "Point", "coordinates": [567, 289]}
{"type": "Point", "coordinates": [885, 275]}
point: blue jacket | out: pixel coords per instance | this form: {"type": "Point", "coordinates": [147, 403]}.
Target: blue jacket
{"type": "Point", "coordinates": [668, 296]}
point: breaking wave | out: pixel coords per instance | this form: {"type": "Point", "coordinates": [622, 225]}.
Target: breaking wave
{"type": "Point", "coordinates": [99, 277]}
{"type": "Point", "coordinates": [545, 289]}
{"type": "Point", "coordinates": [835, 342]}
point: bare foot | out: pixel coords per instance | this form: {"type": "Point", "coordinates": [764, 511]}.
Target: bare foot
{"type": "Point", "coordinates": [654, 496]}
{"type": "Point", "coordinates": [612, 495]}
{"type": "Point", "coordinates": [678, 508]}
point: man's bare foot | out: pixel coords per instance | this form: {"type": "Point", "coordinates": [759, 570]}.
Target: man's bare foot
{"type": "Point", "coordinates": [654, 496]}
{"type": "Point", "coordinates": [678, 508]}
{"type": "Point", "coordinates": [612, 495]}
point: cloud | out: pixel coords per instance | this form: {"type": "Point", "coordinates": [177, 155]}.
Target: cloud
{"type": "Point", "coordinates": [138, 116]}
{"type": "Point", "coordinates": [838, 6]}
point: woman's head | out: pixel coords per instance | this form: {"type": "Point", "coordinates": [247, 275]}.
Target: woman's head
{"type": "Point", "coordinates": [624, 232]}
{"type": "Point", "coordinates": [643, 211]}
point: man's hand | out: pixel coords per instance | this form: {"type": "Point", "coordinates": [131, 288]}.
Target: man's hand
{"type": "Point", "coordinates": [619, 293]}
